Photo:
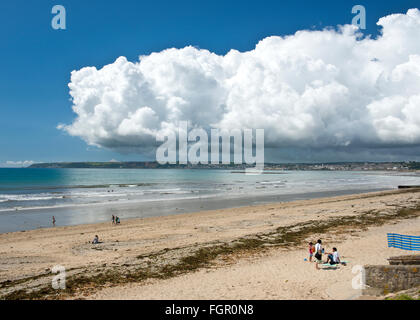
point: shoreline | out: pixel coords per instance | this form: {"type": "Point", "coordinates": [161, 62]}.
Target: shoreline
{"type": "Point", "coordinates": [74, 215]}
{"type": "Point", "coordinates": [159, 249]}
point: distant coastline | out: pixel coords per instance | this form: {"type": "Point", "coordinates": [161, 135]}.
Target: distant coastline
{"type": "Point", "coordinates": [333, 166]}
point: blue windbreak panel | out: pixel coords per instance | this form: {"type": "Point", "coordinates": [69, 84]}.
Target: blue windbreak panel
{"type": "Point", "coordinates": [404, 242]}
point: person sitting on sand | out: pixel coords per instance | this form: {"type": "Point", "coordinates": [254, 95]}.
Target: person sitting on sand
{"type": "Point", "coordinates": [95, 240]}
{"type": "Point", "coordinates": [318, 250]}
{"type": "Point", "coordinates": [311, 251]}
{"type": "Point", "coordinates": [334, 257]}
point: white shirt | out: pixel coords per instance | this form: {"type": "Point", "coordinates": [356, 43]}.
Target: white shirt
{"type": "Point", "coordinates": [318, 248]}
{"type": "Point", "coordinates": [336, 256]}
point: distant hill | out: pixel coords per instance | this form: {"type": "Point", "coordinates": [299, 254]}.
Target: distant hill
{"type": "Point", "coordinates": [351, 166]}
{"type": "Point", "coordinates": [102, 165]}
{"type": "Point", "coordinates": [127, 165]}
{"type": "Point", "coordinates": [414, 165]}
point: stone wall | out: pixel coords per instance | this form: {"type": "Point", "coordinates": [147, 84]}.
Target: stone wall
{"type": "Point", "coordinates": [413, 259]}
{"type": "Point", "coordinates": [385, 279]}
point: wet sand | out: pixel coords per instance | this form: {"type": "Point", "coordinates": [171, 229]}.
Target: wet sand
{"type": "Point", "coordinates": [30, 219]}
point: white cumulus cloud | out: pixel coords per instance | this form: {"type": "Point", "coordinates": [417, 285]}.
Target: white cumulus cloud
{"type": "Point", "coordinates": [313, 89]}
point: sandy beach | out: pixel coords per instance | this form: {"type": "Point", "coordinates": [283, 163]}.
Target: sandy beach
{"type": "Point", "coordinates": [254, 252]}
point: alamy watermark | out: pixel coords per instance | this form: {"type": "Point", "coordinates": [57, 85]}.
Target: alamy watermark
{"type": "Point", "coordinates": [359, 20]}
{"type": "Point", "coordinates": [59, 20]}
{"type": "Point", "coordinates": [200, 146]}
{"type": "Point", "coordinates": [358, 282]}
{"type": "Point", "coordinates": [59, 280]}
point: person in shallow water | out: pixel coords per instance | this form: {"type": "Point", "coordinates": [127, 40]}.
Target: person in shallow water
{"type": "Point", "coordinates": [53, 221]}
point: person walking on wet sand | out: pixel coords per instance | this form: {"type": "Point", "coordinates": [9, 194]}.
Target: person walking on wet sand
{"type": "Point", "coordinates": [113, 219]}
{"type": "Point", "coordinates": [53, 221]}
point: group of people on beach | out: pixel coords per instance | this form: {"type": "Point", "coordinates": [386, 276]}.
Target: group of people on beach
{"type": "Point", "coordinates": [115, 219]}
{"type": "Point", "coordinates": [317, 251]}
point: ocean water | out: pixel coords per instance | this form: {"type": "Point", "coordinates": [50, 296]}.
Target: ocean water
{"type": "Point", "coordinates": [29, 197]}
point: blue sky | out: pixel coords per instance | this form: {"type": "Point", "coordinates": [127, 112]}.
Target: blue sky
{"type": "Point", "coordinates": [36, 60]}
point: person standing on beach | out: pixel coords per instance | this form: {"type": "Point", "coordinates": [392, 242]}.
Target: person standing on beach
{"type": "Point", "coordinates": [53, 221]}
{"type": "Point", "coordinates": [311, 251]}
{"type": "Point", "coordinates": [318, 250]}
{"type": "Point", "coordinates": [113, 219]}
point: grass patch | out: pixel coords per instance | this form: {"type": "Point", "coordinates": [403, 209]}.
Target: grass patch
{"type": "Point", "coordinates": [403, 297]}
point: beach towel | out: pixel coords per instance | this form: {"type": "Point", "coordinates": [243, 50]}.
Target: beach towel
{"type": "Point", "coordinates": [329, 266]}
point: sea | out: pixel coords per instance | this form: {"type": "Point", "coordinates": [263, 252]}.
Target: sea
{"type": "Point", "coordinates": [29, 197]}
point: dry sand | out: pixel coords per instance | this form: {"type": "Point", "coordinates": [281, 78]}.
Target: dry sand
{"type": "Point", "coordinates": [277, 273]}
